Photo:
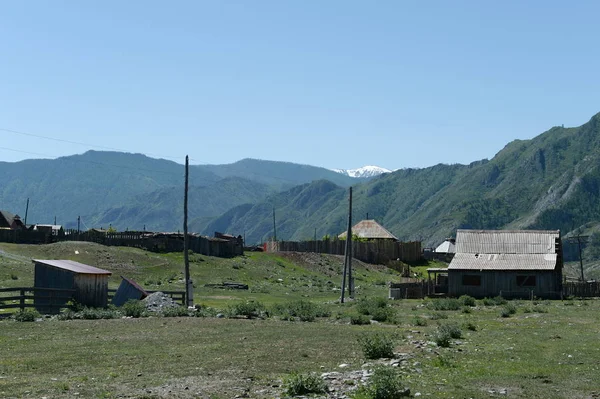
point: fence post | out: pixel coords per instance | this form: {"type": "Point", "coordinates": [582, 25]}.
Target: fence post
{"type": "Point", "coordinates": [22, 301]}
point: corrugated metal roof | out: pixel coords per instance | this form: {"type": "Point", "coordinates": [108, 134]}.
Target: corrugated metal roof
{"type": "Point", "coordinates": [446, 247]}
{"type": "Point", "coordinates": [506, 241]}
{"type": "Point", "coordinates": [73, 266]}
{"type": "Point", "coordinates": [465, 261]}
{"type": "Point", "coordinates": [370, 229]}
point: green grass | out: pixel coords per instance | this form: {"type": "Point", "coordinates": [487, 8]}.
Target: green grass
{"type": "Point", "coordinates": [272, 278]}
{"type": "Point", "coordinates": [543, 355]}
{"type": "Point", "coordinates": [544, 350]}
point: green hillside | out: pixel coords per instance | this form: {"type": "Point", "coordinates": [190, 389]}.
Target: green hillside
{"type": "Point", "coordinates": [549, 182]}
{"type": "Point", "coordinates": [133, 190]}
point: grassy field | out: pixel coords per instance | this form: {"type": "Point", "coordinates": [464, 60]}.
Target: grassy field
{"type": "Point", "coordinates": [271, 278]}
{"type": "Point", "coordinates": [543, 349]}
{"type": "Point", "coordinates": [547, 350]}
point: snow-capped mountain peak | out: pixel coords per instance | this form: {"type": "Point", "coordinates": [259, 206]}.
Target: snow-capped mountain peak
{"type": "Point", "coordinates": [364, 172]}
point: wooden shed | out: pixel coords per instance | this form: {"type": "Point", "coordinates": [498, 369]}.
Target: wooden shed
{"type": "Point", "coordinates": [511, 263]}
{"type": "Point", "coordinates": [90, 284]}
{"type": "Point", "coordinates": [128, 289]}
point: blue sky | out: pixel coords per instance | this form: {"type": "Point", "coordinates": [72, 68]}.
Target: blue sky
{"type": "Point", "coordinates": [338, 84]}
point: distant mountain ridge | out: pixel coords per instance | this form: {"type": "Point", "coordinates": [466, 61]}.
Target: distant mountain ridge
{"type": "Point", "coordinates": [364, 172]}
{"type": "Point", "coordinates": [549, 182]}
{"type": "Point", "coordinates": [131, 190]}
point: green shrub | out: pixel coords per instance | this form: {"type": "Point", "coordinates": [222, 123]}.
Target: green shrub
{"type": "Point", "coordinates": [302, 384]}
{"type": "Point", "coordinates": [438, 316]}
{"type": "Point", "coordinates": [383, 314]}
{"type": "Point", "coordinates": [371, 305]}
{"type": "Point", "coordinates": [14, 276]}
{"type": "Point", "coordinates": [377, 345]}
{"type": "Point", "coordinates": [360, 320]}
{"type": "Point", "coordinates": [301, 310]}
{"type": "Point", "coordinates": [419, 321]}
{"type": "Point", "coordinates": [470, 326]}
{"type": "Point", "coordinates": [466, 309]}
{"type": "Point", "coordinates": [67, 314]}
{"type": "Point", "coordinates": [443, 361]}
{"type": "Point", "coordinates": [539, 309]}
{"type": "Point", "coordinates": [494, 301]}
{"type": "Point", "coordinates": [452, 329]}
{"type": "Point", "coordinates": [205, 311]}
{"type": "Point", "coordinates": [500, 301]}
{"type": "Point", "coordinates": [97, 314]}
{"type": "Point", "coordinates": [444, 304]}
{"type": "Point", "coordinates": [133, 308]}
{"type": "Point", "coordinates": [175, 311]}
{"type": "Point", "coordinates": [27, 315]}
{"type": "Point", "coordinates": [508, 310]}
{"type": "Point", "coordinates": [250, 309]}
{"type": "Point", "coordinates": [466, 300]}
{"type": "Point", "coordinates": [384, 383]}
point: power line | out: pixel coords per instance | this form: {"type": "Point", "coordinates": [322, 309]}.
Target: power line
{"type": "Point", "coordinates": [91, 145]}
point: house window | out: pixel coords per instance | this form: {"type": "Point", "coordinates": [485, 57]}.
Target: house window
{"type": "Point", "coordinates": [471, 279]}
{"type": "Point", "coordinates": [526, 281]}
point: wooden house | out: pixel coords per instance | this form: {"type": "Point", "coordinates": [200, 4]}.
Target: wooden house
{"type": "Point", "coordinates": [89, 283]}
{"type": "Point", "coordinates": [10, 221]}
{"type": "Point", "coordinates": [370, 230]}
{"type": "Point", "coordinates": [511, 263]}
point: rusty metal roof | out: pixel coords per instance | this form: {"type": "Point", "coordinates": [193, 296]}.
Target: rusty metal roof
{"type": "Point", "coordinates": [72, 266]}
{"type": "Point", "coordinates": [370, 229]}
{"type": "Point", "coordinates": [465, 261]}
{"type": "Point", "coordinates": [506, 241]}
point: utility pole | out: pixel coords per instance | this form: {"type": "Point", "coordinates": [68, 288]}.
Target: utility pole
{"type": "Point", "coordinates": [580, 259]}
{"type": "Point", "coordinates": [55, 220]}
{"type": "Point", "coordinates": [274, 227]}
{"type": "Point", "coordinates": [78, 223]}
{"type": "Point", "coordinates": [26, 211]}
{"type": "Point", "coordinates": [348, 255]}
{"type": "Point", "coordinates": [189, 295]}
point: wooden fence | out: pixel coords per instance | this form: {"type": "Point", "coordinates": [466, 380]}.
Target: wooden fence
{"type": "Point", "coordinates": [177, 296]}
{"type": "Point", "coordinates": [408, 290]}
{"type": "Point", "coordinates": [375, 252]}
{"type": "Point", "coordinates": [151, 242]}
{"type": "Point", "coordinates": [25, 236]}
{"type": "Point", "coordinates": [48, 300]}
{"type": "Point", "coordinates": [580, 289]}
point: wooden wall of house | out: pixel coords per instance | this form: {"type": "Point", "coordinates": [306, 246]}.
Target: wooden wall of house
{"type": "Point", "coordinates": [548, 283]}
{"type": "Point", "coordinates": [91, 289]}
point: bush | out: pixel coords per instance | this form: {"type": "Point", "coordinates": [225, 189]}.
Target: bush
{"type": "Point", "coordinates": [500, 301]}
{"type": "Point", "coordinates": [383, 314]}
{"type": "Point", "coordinates": [249, 309]}
{"type": "Point", "coordinates": [419, 321]}
{"type": "Point", "coordinates": [302, 310]}
{"type": "Point", "coordinates": [67, 314]}
{"type": "Point", "coordinates": [384, 383]}
{"type": "Point", "coordinates": [466, 309]}
{"type": "Point", "coordinates": [470, 326]}
{"type": "Point", "coordinates": [444, 333]}
{"type": "Point", "coordinates": [494, 301]}
{"type": "Point", "coordinates": [466, 300]}
{"type": "Point", "coordinates": [134, 308]}
{"type": "Point", "coordinates": [371, 305]}
{"type": "Point", "coordinates": [452, 329]}
{"type": "Point", "coordinates": [302, 384]}
{"type": "Point", "coordinates": [27, 315]}
{"type": "Point", "coordinates": [96, 314]}
{"type": "Point", "coordinates": [175, 311]}
{"type": "Point", "coordinates": [444, 304]}
{"type": "Point", "coordinates": [438, 316]}
{"type": "Point", "coordinates": [205, 311]}
{"type": "Point", "coordinates": [14, 276]}
{"type": "Point", "coordinates": [377, 345]}
{"type": "Point", "coordinates": [360, 320]}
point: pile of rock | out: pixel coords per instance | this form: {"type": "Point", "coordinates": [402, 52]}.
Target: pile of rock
{"type": "Point", "coordinates": [158, 301]}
